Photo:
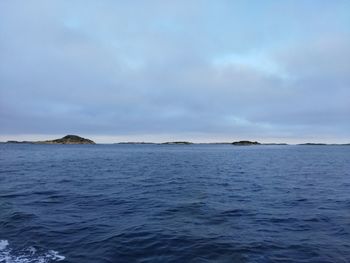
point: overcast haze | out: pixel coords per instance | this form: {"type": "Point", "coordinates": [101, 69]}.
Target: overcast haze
{"type": "Point", "coordinates": [273, 71]}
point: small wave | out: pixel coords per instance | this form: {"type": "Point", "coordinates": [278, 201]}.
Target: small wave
{"type": "Point", "coordinates": [28, 255]}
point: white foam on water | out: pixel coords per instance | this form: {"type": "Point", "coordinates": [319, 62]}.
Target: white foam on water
{"type": "Point", "coordinates": [3, 244]}
{"type": "Point", "coordinates": [31, 250]}
{"type": "Point", "coordinates": [28, 255]}
{"type": "Point", "coordinates": [54, 255]}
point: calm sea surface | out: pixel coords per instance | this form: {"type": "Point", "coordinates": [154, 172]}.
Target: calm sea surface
{"type": "Point", "coordinates": [172, 203]}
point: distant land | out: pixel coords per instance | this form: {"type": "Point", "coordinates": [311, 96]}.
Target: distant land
{"type": "Point", "coordinates": [68, 139]}
{"type": "Point", "coordinates": [245, 143]}
{"type": "Point", "coordinates": [180, 142]}
{"type": "Point", "coordinates": [75, 139]}
{"type": "Point", "coordinates": [310, 144]}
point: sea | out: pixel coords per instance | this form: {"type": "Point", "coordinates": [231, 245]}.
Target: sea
{"type": "Point", "coordinates": [174, 203]}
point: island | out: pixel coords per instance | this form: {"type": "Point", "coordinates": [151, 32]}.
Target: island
{"type": "Point", "coordinates": [245, 143]}
{"type": "Point", "coordinates": [179, 143]}
{"type": "Point", "coordinates": [68, 139]}
{"type": "Point", "coordinates": [19, 142]}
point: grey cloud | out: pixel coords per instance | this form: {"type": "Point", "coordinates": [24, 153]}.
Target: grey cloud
{"type": "Point", "coordinates": [109, 68]}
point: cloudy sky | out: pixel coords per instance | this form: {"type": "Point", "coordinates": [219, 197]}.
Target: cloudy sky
{"type": "Point", "coordinates": [171, 70]}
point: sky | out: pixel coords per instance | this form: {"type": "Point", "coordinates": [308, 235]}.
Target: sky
{"type": "Point", "coordinates": [202, 71]}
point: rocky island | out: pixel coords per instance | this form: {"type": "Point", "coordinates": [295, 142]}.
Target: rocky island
{"type": "Point", "coordinates": [178, 143]}
{"type": "Point", "coordinates": [19, 142]}
{"type": "Point", "coordinates": [69, 139]}
{"type": "Point", "coordinates": [245, 143]}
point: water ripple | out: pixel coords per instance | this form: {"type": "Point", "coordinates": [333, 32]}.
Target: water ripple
{"type": "Point", "coordinates": [157, 203]}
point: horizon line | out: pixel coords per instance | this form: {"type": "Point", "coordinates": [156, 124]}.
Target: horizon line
{"type": "Point", "coordinates": [197, 138]}
{"type": "Point", "coordinates": [97, 140]}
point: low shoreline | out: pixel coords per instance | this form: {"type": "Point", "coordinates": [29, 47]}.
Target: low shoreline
{"type": "Point", "coordinates": [75, 139]}
{"type": "Point", "coordinates": [176, 144]}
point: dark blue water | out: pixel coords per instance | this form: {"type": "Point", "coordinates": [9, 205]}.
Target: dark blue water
{"type": "Point", "coordinates": [172, 203]}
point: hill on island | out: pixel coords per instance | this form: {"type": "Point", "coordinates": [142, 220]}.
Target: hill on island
{"type": "Point", "coordinates": [69, 139]}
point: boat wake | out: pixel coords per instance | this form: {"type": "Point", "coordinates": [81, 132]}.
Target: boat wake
{"type": "Point", "coordinates": [28, 255]}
